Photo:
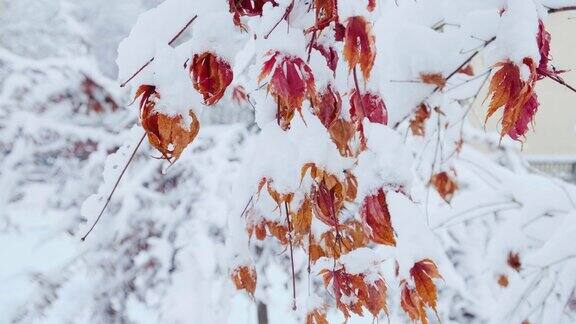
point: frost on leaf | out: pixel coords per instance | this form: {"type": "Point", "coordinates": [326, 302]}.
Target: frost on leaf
{"type": "Point", "coordinates": [211, 76]}
{"type": "Point", "coordinates": [291, 82]}
{"type": "Point", "coordinates": [517, 97]}
{"type": "Point", "coordinates": [167, 134]}
{"type": "Point", "coordinates": [244, 277]}
{"type": "Point", "coordinates": [359, 47]}
{"type": "Point", "coordinates": [444, 185]}
{"type": "Point", "coordinates": [418, 121]}
{"type": "Point", "coordinates": [376, 217]}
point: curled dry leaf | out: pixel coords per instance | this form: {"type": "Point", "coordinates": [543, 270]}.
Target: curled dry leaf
{"type": "Point", "coordinates": [167, 134]}
{"type": "Point", "coordinates": [359, 45]}
{"type": "Point", "coordinates": [517, 97]}
{"type": "Point", "coordinates": [376, 218]}
{"type": "Point", "coordinates": [434, 79]}
{"type": "Point", "coordinates": [330, 54]}
{"type": "Point", "coordinates": [291, 82]}
{"type": "Point", "coordinates": [244, 277]}
{"type": "Point", "coordinates": [211, 76]}
{"type": "Point", "coordinates": [249, 8]}
{"type": "Point", "coordinates": [513, 261]}
{"type": "Point", "coordinates": [418, 121]}
{"type": "Point", "coordinates": [444, 185]}
{"type": "Point", "coordinates": [327, 106]}
{"type": "Point", "coordinates": [543, 39]}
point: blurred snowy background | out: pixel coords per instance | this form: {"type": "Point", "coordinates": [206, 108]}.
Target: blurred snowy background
{"type": "Point", "coordinates": [158, 255]}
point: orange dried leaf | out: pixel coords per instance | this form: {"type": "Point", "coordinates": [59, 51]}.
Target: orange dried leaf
{"type": "Point", "coordinates": [517, 97]}
{"type": "Point", "coordinates": [433, 78]}
{"type": "Point", "coordinates": [445, 185]}
{"type": "Point", "coordinates": [244, 277]}
{"type": "Point", "coordinates": [417, 123]}
{"type": "Point", "coordinates": [302, 220]}
{"type": "Point", "coordinates": [168, 134]}
{"type": "Point", "coordinates": [503, 281]}
{"type": "Point", "coordinates": [412, 304]}
{"type": "Point", "coordinates": [359, 45]}
{"type": "Point", "coordinates": [341, 133]}
{"type": "Point", "coordinates": [422, 273]}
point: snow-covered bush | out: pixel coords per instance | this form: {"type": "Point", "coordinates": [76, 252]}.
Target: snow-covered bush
{"type": "Point", "coordinates": [360, 191]}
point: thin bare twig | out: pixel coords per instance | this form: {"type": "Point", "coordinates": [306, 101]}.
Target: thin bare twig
{"type": "Point", "coordinates": [114, 188]}
{"type": "Point", "coordinates": [152, 59]}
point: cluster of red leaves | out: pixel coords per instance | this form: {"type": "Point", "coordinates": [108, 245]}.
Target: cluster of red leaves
{"type": "Point", "coordinates": [167, 134]}
{"type": "Point", "coordinates": [211, 76]}
{"type": "Point", "coordinates": [359, 293]}
{"type": "Point", "coordinates": [445, 185]}
{"type": "Point", "coordinates": [359, 45]}
{"type": "Point", "coordinates": [376, 217]}
{"type": "Point", "coordinates": [424, 294]}
{"type": "Point", "coordinates": [516, 95]}
{"type": "Point", "coordinates": [291, 82]}
{"type": "Point", "coordinates": [244, 277]}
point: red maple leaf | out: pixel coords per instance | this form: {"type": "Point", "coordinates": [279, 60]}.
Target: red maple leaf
{"type": "Point", "coordinates": [291, 82]}
{"type": "Point", "coordinates": [359, 45]}
{"type": "Point", "coordinates": [211, 76]}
